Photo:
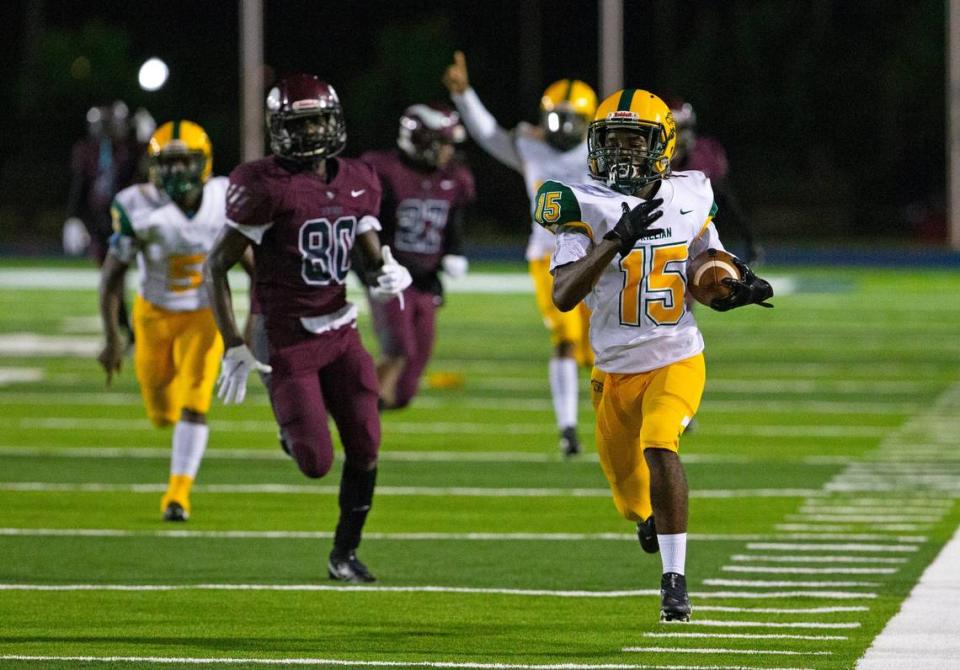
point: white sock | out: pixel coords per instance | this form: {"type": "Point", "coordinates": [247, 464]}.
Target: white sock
{"type": "Point", "coordinates": [673, 552]}
{"type": "Point", "coordinates": [189, 443]}
{"type": "Point", "coordinates": [563, 387]}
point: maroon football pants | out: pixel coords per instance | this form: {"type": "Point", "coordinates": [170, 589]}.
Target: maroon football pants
{"type": "Point", "coordinates": [407, 333]}
{"type": "Point", "coordinates": [328, 373]}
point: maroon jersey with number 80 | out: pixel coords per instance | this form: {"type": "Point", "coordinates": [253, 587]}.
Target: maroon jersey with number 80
{"type": "Point", "coordinates": [303, 228]}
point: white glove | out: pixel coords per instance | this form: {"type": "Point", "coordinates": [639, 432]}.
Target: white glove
{"type": "Point", "coordinates": [237, 363]}
{"type": "Point", "coordinates": [393, 277]}
{"type": "Point", "coordinates": [76, 239]}
{"type": "Point", "coordinates": [455, 266]}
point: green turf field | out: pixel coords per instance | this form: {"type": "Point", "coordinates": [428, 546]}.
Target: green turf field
{"type": "Point", "coordinates": [821, 477]}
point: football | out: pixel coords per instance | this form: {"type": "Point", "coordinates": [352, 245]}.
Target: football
{"type": "Point", "coordinates": [705, 275]}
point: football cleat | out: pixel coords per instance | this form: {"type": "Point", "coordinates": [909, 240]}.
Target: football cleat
{"type": "Point", "coordinates": [674, 602]}
{"type": "Point", "coordinates": [348, 568]}
{"type": "Point", "coordinates": [175, 512]}
{"type": "Point", "coordinates": [647, 534]}
{"type": "Point", "coordinates": [569, 443]}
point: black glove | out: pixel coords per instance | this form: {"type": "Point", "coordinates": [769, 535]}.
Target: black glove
{"type": "Point", "coordinates": [749, 290]}
{"type": "Point", "coordinates": [634, 223]}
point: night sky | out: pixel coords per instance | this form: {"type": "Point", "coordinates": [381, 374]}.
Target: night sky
{"type": "Point", "coordinates": [831, 112]}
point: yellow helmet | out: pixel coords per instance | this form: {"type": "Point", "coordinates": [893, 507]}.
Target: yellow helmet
{"type": "Point", "coordinates": [181, 157]}
{"type": "Point", "coordinates": [567, 106]}
{"type": "Point", "coordinates": [629, 168]}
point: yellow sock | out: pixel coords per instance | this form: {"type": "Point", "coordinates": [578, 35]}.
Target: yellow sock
{"type": "Point", "coordinates": [178, 491]}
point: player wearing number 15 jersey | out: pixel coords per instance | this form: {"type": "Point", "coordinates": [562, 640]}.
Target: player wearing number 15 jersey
{"type": "Point", "coordinates": [649, 372]}
{"type": "Point", "coordinates": [304, 211]}
{"type": "Point", "coordinates": [168, 226]}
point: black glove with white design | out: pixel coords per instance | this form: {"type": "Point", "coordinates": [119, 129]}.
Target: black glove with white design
{"type": "Point", "coordinates": [634, 224]}
{"type": "Point", "coordinates": [748, 290]}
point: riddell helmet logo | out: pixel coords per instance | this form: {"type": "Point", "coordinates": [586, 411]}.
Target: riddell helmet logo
{"type": "Point", "coordinates": [623, 114]}
{"type": "Point", "coordinates": [306, 104]}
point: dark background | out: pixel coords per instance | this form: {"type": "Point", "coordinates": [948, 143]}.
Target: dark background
{"type": "Point", "coordinates": [832, 112]}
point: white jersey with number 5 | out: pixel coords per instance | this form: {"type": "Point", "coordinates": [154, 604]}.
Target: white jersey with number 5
{"type": "Point", "coordinates": [640, 319]}
{"type": "Point", "coordinates": [169, 246]}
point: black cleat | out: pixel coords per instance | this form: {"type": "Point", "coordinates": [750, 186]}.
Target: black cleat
{"type": "Point", "coordinates": [175, 512]}
{"type": "Point", "coordinates": [569, 443]}
{"type": "Point", "coordinates": [674, 602]}
{"type": "Point", "coordinates": [647, 534]}
{"type": "Point", "coordinates": [348, 568]}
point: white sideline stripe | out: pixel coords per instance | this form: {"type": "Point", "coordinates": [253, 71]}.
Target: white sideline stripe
{"type": "Point", "coordinates": [909, 639]}
{"type": "Point", "coordinates": [20, 375]}
{"type": "Point", "coordinates": [783, 610]}
{"type": "Point", "coordinates": [722, 595]}
{"type": "Point", "coordinates": [782, 584]}
{"type": "Point", "coordinates": [710, 650]}
{"type": "Point", "coordinates": [817, 559]}
{"type": "Point", "coordinates": [325, 535]}
{"type": "Point", "coordinates": [763, 569]}
{"type": "Point", "coordinates": [772, 624]}
{"type": "Point", "coordinates": [747, 636]}
{"type": "Point", "coordinates": [783, 546]}
{"type": "Point", "coordinates": [464, 491]}
{"type": "Point", "coordinates": [906, 539]}
{"type": "Point", "coordinates": [170, 660]}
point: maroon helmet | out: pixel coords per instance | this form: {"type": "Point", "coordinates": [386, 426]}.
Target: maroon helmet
{"type": "Point", "coordinates": [305, 119]}
{"type": "Point", "coordinates": [424, 129]}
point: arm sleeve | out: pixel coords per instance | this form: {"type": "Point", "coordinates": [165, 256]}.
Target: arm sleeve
{"type": "Point", "coordinates": [123, 243]}
{"type": "Point", "coordinates": [707, 239]}
{"type": "Point", "coordinates": [249, 209]}
{"type": "Point", "coordinates": [572, 245]}
{"type": "Point", "coordinates": [485, 130]}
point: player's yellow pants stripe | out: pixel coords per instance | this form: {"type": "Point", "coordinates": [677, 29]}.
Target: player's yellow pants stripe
{"type": "Point", "coordinates": [648, 410]}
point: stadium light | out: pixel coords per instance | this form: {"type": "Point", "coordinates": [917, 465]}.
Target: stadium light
{"type": "Point", "coordinates": [153, 74]}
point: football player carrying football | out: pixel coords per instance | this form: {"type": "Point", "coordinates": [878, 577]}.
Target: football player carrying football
{"type": "Point", "coordinates": [424, 195]}
{"type": "Point", "coordinates": [556, 149]}
{"type": "Point", "coordinates": [305, 210]}
{"type": "Point", "coordinates": [649, 372]}
{"type": "Point", "coordinates": [169, 226]}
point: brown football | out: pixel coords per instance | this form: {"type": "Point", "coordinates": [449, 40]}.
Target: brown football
{"type": "Point", "coordinates": [705, 275]}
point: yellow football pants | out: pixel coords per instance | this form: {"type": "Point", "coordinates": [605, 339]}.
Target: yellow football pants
{"type": "Point", "coordinates": [572, 326]}
{"type": "Point", "coordinates": [642, 411]}
{"type": "Point", "coordinates": [177, 359]}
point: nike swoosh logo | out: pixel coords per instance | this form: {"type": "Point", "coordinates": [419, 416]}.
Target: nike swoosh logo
{"type": "Point", "coordinates": [357, 193]}
{"type": "Point", "coordinates": [687, 211]}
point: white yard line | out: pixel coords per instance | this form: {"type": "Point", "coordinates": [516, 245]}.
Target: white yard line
{"type": "Point", "coordinates": [838, 528]}
{"type": "Point", "coordinates": [826, 548]}
{"type": "Point", "coordinates": [785, 584]}
{"type": "Point", "coordinates": [699, 595]}
{"type": "Point", "coordinates": [773, 624]}
{"type": "Point", "coordinates": [764, 569]}
{"type": "Point", "coordinates": [711, 650]}
{"type": "Point", "coordinates": [433, 491]}
{"type": "Point", "coordinates": [324, 535]}
{"type": "Point", "coordinates": [747, 636]}
{"type": "Point", "coordinates": [817, 559]}
{"type": "Point", "coordinates": [867, 519]}
{"type": "Point", "coordinates": [924, 633]}
{"type": "Point", "coordinates": [337, 662]}
{"type": "Point", "coordinates": [783, 610]}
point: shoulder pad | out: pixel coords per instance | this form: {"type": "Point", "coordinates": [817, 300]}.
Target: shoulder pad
{"type": "Point", "coordinates": [556, 205]}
